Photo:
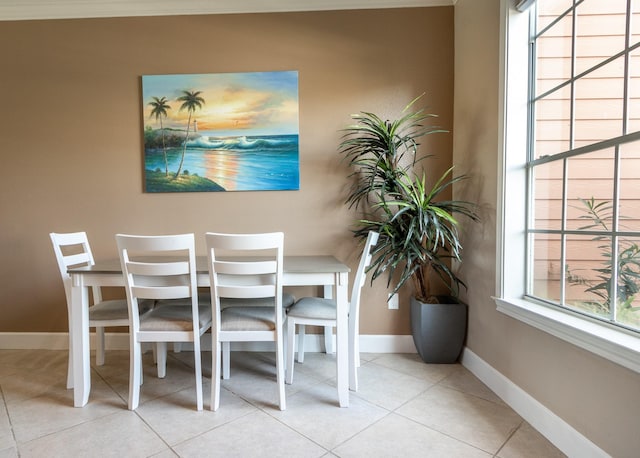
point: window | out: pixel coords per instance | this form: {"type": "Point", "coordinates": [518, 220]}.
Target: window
{"type": "Point", "coordinates": [570, 239]}
{"type": "Point", "coordinates": [584, 158]}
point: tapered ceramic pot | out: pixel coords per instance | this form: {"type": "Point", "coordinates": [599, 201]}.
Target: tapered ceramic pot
{"type": "Point", "coordinates": [439, 330]}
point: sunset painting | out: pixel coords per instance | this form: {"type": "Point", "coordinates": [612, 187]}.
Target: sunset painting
{"type": "Point", "coordinates": [221, 132]}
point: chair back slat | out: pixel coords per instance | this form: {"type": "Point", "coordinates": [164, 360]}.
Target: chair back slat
{"type": "Point", "coordinates": [161, 292]}
{"type": "Point", "coordinates": [158, 269]}
{"type": "Point", "coordinates": [246, 292]}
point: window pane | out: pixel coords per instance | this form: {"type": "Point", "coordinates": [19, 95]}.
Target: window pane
{"type": "Point", "coordinates": [629, 187]}
{"type": "Point", "coordinates": [588, 271]}
{"type": "Point", "coordinates": [590, 191]}
{"type": "Point", "coordinates": [598, 114]}
{"type": "Point", "coordinates": [547, 272]}
{"type": "Point", "coordinates": [600, 31]}
{"type": "Point", "coordinates": [633, 106]}
{"type": "Point", "coordinates": [552, 123]}
{"type": "Point", "coordinates": [549, 10]}
{"type": "Point", "coordinates": [635, 21]}
{"type": "Point", "coordinates": [553, 62]}
{"type": "Point", "coordinates": [628, 310]}
{"type": "Point", "coordinates": [547, 211]}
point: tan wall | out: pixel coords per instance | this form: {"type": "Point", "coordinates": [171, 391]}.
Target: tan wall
{"type": "Point", "coordinates": [598, 398]}
{"type": "Point", "coordinates": [71, 133]}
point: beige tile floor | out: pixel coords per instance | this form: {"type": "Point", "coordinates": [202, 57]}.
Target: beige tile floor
{"type": "Point", "coordinates": [404, 408]}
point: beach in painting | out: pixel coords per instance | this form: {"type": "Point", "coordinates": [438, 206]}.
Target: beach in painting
{"type": "Point", "coordinates": [243, 163]}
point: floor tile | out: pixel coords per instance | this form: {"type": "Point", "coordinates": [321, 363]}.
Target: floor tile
{"type": "Point", "coordinates": [463, 380]}
{"type": "Point", "coordinates": [6, 433]}
{"type": "Point", "coordinates": [115, 373]}
{"type": "Point", "coordinates": [254, 435]}
{"type": "Point", "coordinates": [175, 419]}
{"type": "Point", "coordinates": [476, 421]}
{"type": "Point", "coordinates": [396, 436]}
{"type": "Point", "coordinates": [253, 377]}
{"type": "Point", "coordinates": [387, 388]}
{"type": "Point", "coordinates": [53, 411]}
{"type": "Point", "coordinates": [117, 435]}
{"type": "Point", "coordinates": [527, 442]}
{"type": "Point", "coordinates": [411, 364]}
{"type": "Point", "coordinates": [315, 414]}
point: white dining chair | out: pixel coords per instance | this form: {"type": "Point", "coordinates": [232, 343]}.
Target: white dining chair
{"type": "Point", "coordinates": [159, 268]}
{"type": "Point", "coordinates": [73, 250]}
{"type": "Point", "coordinates": [320, 311]}
{"type": "Point", "coordinates": [254, 284]}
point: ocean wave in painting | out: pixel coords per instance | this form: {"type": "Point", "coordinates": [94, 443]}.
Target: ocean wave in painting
{"type": "Point", "coordinates": [244, 143]}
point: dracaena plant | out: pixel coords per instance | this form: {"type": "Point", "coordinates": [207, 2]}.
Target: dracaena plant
{"type": "Point", "coordinates": [418, 226]}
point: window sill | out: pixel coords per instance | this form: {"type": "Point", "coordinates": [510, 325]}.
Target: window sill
{"type": "Point", "coordinates": [615, 345]}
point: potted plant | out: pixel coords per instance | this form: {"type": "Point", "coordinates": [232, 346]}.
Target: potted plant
{"type": "Point", "coordinates": [418, 227]}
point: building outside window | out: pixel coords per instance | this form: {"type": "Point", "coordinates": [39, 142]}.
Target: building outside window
{"type": "Point", "coordinates": [583, 159]}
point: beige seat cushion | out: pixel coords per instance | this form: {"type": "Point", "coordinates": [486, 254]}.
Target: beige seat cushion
{"type": "Point", "coordinates": [314, 307]}
{"type": "Point", "coordinates": [239, 318]}
{"type": "Point", "coordinates": [174, 318]}
{"type": "Point", "coordinates": [116, 310]}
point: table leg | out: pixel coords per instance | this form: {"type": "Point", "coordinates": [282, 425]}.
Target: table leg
{"type": "Point", "coordinates": [79, 327]}
{"type": "Point", "coordinates": [342, 339]}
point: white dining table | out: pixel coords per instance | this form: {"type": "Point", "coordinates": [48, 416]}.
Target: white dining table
{"type": "Point", "coordinates": [317, 270]}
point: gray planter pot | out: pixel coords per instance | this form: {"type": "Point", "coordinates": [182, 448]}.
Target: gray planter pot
{"type": "Point", "coordinates": [439, 330]}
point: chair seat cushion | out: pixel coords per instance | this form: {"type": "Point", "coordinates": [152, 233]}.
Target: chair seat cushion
{"type": "Point", "coordinates": [239, 318]}
{"type": "Point", "coordinates": [115, 310]}
{"type": "Point", "coordinates": [314, 307]}
{"type": "Point", "coordinates": [174, 318]}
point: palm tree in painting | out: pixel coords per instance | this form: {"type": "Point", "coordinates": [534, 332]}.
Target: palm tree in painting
{"type": "Point", "coordinates": [160, 107]}
{"type": "Point", "coordinates": [191, 101]}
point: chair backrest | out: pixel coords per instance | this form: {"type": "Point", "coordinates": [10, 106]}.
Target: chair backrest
{"type": "Point", "coordinates": [72, 250]}
{"type": "Point", "coordinates": [361, 273]}
{"type": "Point", "coordinates": [245, 266]}
{"type": "Point", "coordinates": [158, 267]}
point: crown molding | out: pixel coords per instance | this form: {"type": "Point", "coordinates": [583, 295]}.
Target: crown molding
{"type": "Point", "coordinates": [16, 10]}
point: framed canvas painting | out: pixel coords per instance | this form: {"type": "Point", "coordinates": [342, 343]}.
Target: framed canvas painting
{"type": "Point", "coordinates": [221, 132]}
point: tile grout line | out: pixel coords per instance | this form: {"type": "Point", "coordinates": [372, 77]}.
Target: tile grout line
{"type": "Point", "coordinates": [6, 409]}
{"type": "Point", "coordinates": [515, 430]}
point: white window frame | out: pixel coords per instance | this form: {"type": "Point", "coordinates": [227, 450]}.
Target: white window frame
{"type": "Point", "coordinates": [611, 342]}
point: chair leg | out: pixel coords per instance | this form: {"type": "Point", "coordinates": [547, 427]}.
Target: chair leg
{"type": "Point", "coordinates": [280, 371]}
{"type": "Point", "coordinates": [198, 370]}
{"type": "Point", "coordinates": [99, 346]}
{"type": "Point", "coordinates": [177, 347]}
{"type": "Point", "coordinates": [70, 365]}
{"type": "Point", "coordinates": [354, 354]}
{"type": "Point", "coordinates": [215, 372]}
{"type": "Point", "coordinates": [161, 356]}
{"type": "Point", "coordinates": [135, 368]}
{"type": "Point", "coordinates": [328, 339]}
{"type": "Point", "coordinates": [291, 334]}
{"type": "Point", "coordinates": [301, 343]}
{"type": "Point", "coordinates": [226, 360]}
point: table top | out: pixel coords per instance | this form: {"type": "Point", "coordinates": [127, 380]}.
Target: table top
{"type": "Point", "coordinates": [292, 265]}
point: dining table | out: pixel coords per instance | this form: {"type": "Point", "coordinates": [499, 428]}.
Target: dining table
{"type": "Point", "coordinates": [311, 270]}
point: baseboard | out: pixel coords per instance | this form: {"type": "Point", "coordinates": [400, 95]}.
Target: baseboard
{"type": "Point", "coordinates": [555, 429]}
{"type": "Point", "coordinates": [120, 341]}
